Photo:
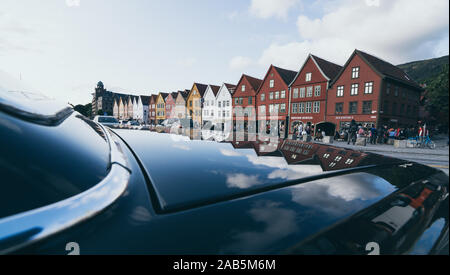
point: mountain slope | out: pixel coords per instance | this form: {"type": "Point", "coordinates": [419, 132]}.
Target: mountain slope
{"type": "Point", "coordinates": [422, 71]}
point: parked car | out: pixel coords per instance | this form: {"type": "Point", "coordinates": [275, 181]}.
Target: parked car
{"type": "Point", "coordinates": [114, 191]}
{"type": "Point", "coordinates": [109, 121]}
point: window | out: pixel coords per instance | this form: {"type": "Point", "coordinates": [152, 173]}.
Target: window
{"type": "Point", "coordinates": [316, 107]}
{"type": "Point", "coordinates": [220, 104]}
{"type": "Point", "coordinates": [276, 107]}
{"type": "Point", "coordinates": [308, 107]}
{"type": "Point", "coordinates": [228, 113]}
{"type": "Point", "coordinates": [236, 100]}
{"type": "Point", "coordinates": [301, 108]}
{"type": "Point", "coordinates": [294, 108]}
{"type": "Point", "coordinates": [241, 100]}
{"type": "Point", "coordinates": [277, 95]}
{"type": "Point", "coordinates": [367, 107]}
{"type": "Point", "coordinates": [190, 103]}
{"type": "Point", "coordinates": [388, 88]}
{"type": "Point", "coordinates": [283, 108]}
{"type": "Point", "coordinates": [271, 95]}
{"type": "Point", "coordinates": [308, 77]}
{"type": "Point", "coordinates": [295, 94]}
{"type": "Point", "coordinates": [250, 100]}
{"type": "Point", "coordinates": [223, 113]}
{"type": "Point", "coordinates": [355, 72]}
{"type": "Point", "coordinates": [340, 91]}
{"type": "Point", "coordinates": [243, 88]}
{"type": "Point", "coordinates": [302, 92]}
{"type": "Point", "coordinates": [283, 94]}
{"type": "Point", "coordinates": [263, 97]}
{"type": "Point", "coordinates": [262, 109]}
{"type": "Point", "coordinates": [317, 91]}
{"type": "Point", "coordinates": [228, 103]}
{"type": "Point", "coordinates": [271, 108]}
{"type": "Point", "coordinates": [353, 107]}
{"type": "Point", "coordinates": [402, 109]}
{"type": "Point", "coordinates": [396, 91]}
{"type": "Point", "coordinates": [339, 108]}
{"type": "Point", "coordinates": [272, 83]}
{"type": "Point", "coordinates": [368, 88]}
{"type": "Point", "coordinates": [354, 90]}
{"type": "Point", "coordinates": [309, 92]}
{"type": "Point", "coordinates": [394, 108]}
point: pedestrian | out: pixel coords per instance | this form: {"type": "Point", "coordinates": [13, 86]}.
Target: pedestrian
{"type": "Point", "coordinates": [300, 130]}
{"type": "Point", "coordinates": [352, 132]}
{"type": "Point", "coordinates": [373, 135]}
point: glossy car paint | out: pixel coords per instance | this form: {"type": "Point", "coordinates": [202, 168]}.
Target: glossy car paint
{"type": "Point", "coordinates": [44, 164]}
{"type": "Point", "coordinates": [319, 216]}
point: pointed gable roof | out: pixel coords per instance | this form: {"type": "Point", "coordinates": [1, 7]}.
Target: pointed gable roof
{"type": "Point", "coordinates": [154, 98]}
{"type": "Point", "coordinates": [254, 82]}
{"type": "Point", "coordinates": [145, 99]}
{"type": "Point", "coordinates": [230, 87]}
{"type": "Point", "coordinates": [201, 88]}
{"type": "Point", "coordinates": [215, 89]}
{"type": "Point", "coordinates": [387, 69]}
{"type": "Point", "coordinates": [330, 69]}
{"type": "Point", "coordinates": [164, 95]}
{"type": "Point", "coordinates": [382, 68]}
{"type": "Point", "coordinates": [286, 75]}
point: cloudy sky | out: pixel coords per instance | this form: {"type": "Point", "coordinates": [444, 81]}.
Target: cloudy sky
{"type": "Point", "coordinates": [64, 47]}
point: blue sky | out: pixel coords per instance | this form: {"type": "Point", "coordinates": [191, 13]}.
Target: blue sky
{"type": "Point", "coordinates": [64, 47]}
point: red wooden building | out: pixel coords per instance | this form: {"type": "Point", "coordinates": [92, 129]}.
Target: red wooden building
{"type": "Point", "coordinates": [272, 99]}
{"type": "Point", "coordinates": [152, 109]}
{"type": "Point", "coordinates": [308, 91]}
{"type": "Point", "coordinates": [372, 91]}
{"type": "Point", "coordinates": [244, 96]}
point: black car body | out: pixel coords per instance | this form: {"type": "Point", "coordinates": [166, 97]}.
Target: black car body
{"type": "Point", "coordinates": [66, 179]}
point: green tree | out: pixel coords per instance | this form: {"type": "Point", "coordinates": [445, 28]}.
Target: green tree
{"type": "Point", "coordinates": [437, 98]}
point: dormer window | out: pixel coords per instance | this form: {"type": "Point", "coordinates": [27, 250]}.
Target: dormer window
{"type": "Point", "coordinates": [308, 77]}
{"type": "Point", "coordinates": [243, 88]}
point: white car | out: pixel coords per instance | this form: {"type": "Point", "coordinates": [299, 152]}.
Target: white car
{"type": "Point", "coordinates": [109, 121]}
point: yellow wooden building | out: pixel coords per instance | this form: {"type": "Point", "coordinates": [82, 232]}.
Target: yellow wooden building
{"type": "Point", "coordinates": [161, 107]}
{"type": "Point", "coordinates": [194, 103]}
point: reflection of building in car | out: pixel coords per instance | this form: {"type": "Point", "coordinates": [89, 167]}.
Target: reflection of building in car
{"type": "Point", "coordinates": [392, 223]}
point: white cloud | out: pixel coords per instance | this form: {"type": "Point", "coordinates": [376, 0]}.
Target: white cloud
{"type": "Point", "coordinates": [73, 3]}
{"type": "Point", "coordinates": [398, 31]}
{"type": "Point", "coordinates": [240, 63]}
{"type": "Point", "coordinates": [271, 8]}
{"type": "Point", "coordinates": [242, 181]}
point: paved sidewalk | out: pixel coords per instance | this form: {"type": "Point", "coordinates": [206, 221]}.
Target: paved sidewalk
{"type": "Point", "coordinates": [440, 150]}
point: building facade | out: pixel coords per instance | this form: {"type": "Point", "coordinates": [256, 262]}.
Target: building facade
{"type": "Point", "coordinates": [272, 100]}
{"type": "Point", "coordinates": [161, 107]}
{"type": "Point", "coordinates": [194, 104]}
{"type": "Point", "coordinates": [180, 104]}
{"type": "Point", "coordinates": [308, 92]}
{"type": "Point", "coordinates": [244, 102]}
{"type": "Point", "coordinates": [224, 104]}
{"type": "Point", "coordinates": [102, 101]}
{"type": "Point", "coordinates": [170, 105]}
{"type": "Point", "coordinates": [210, 110]}
{"type": "Point", "coordinates": [370, 91]}
{"type": "Point", "coordinates": [152, 109]}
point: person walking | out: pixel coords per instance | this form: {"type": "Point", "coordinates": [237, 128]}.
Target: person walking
{"type": "Point", "coordinates": [373, 135]}
{"type": "Point", "coordinates": [300, 130]}
{"type": "Point", "coordinates": [352, 132]}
